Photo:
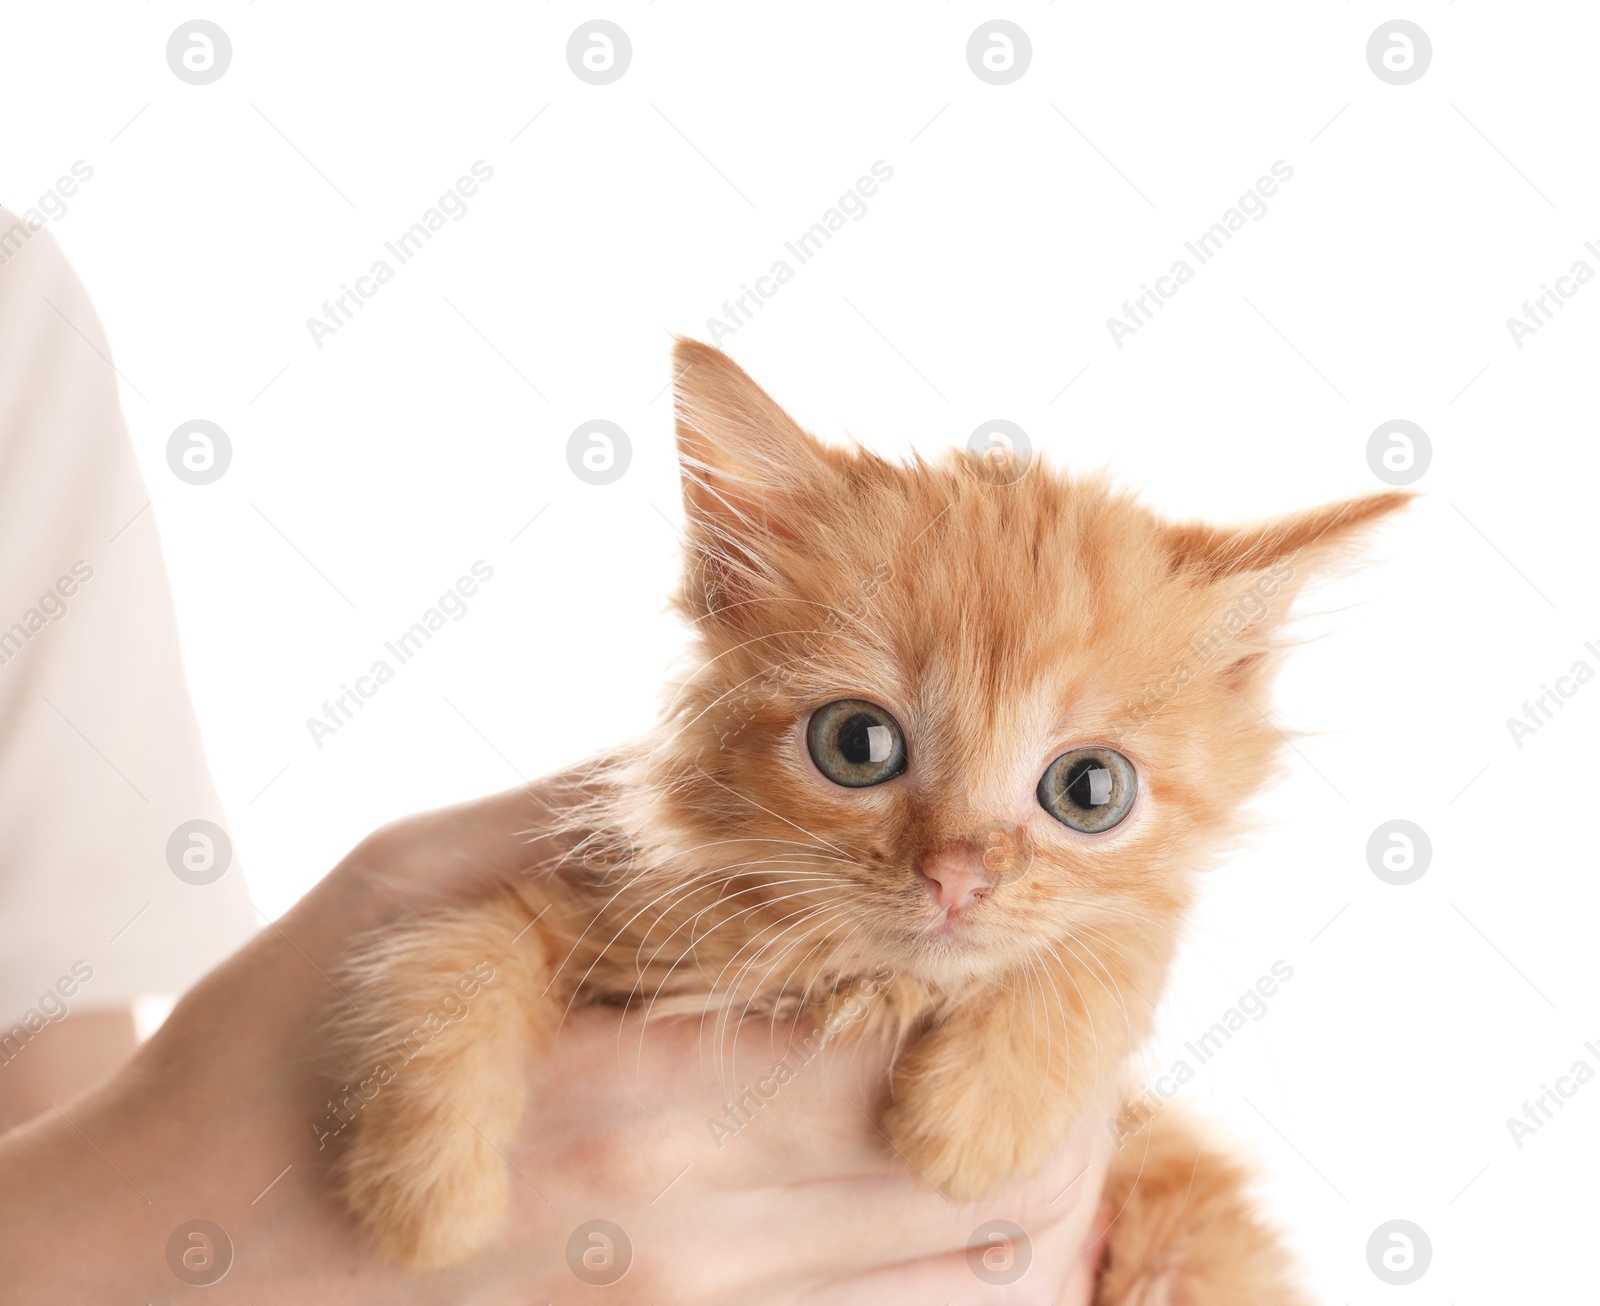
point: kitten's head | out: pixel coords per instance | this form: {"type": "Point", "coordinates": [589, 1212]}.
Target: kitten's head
{"type": "Point", "coordinates": [963, 716]}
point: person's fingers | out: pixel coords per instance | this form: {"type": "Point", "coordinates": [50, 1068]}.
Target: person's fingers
{"type": "Point", "coordinates": [986, 1273]}
{"type": "Point", "coordinates": [644, 1103]}
{"type": "Point", "coordinates": [802, 1145]}
{"type": "Point", "coordinates": [644, 1110]}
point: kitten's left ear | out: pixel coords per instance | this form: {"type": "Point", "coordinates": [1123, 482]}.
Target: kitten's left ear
{"type": "Point", "coordinates": [1315, 538]}
{"type": "Point", "coordinates": [1246, 578]}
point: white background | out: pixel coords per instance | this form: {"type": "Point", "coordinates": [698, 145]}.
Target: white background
{"type": "Point", "coordinates": [428, 432]}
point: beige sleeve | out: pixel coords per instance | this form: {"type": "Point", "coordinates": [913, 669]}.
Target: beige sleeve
{"type": "Point", "coordinates": [100, 754]}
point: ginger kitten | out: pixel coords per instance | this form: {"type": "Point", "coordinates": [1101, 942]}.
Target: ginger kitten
{"type": "Point", "coordinates": [971, 730]}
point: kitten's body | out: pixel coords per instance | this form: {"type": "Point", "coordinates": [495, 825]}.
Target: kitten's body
{"type": "Point", "coordinates": [1001, 620]}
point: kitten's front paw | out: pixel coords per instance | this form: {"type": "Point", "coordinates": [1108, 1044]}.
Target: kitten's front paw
{"type": "Point", "coordinates": [962, 1144]}
{"type": "Point", "coordinates": [428, 1187]}
{"type": "Point", "coordinates": [449, 1011]}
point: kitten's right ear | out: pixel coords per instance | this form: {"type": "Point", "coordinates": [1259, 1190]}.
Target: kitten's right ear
{"type": "Point", "coordinates": [751, 476]}
{"type": "Point", "coordinates": [745, 460]}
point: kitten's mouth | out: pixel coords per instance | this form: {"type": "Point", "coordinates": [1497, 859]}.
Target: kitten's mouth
{"type": "Point", "coordinates": [948, 950]}
{"type": "Point", "coordinates": [949, 931]}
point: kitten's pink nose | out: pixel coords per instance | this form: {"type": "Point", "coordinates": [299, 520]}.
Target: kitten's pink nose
{"type": "Point", "coordinates": [955, 877]}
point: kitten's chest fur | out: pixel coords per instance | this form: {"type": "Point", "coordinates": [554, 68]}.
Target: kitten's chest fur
{"type": "Point", "coordinates": [717, 944]}
{"type": "Point", "coordinates": [659, 932]}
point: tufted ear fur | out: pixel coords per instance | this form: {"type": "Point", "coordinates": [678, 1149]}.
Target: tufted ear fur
{"type": "Point", "coordinates": [1250, 574]}
{"type": "Point", "coordinates": [754, 483]}
{"type": "Point", "coordinates": [1317, 536]}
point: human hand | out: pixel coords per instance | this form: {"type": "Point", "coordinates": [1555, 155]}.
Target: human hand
{"type": "Point", "coordinates": [793, 1197]}
{"type": "Point", "coordinates": [222, 1117]}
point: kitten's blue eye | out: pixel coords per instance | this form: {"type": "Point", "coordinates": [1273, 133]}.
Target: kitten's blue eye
{"type": "Point", "coordinates": [856, 743]}
{"type": "Point", "coordinates": [1089, 789]}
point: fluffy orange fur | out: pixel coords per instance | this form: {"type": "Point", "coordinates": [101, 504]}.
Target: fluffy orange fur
{"type": "Point", "coordinates": [1002, 619]}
